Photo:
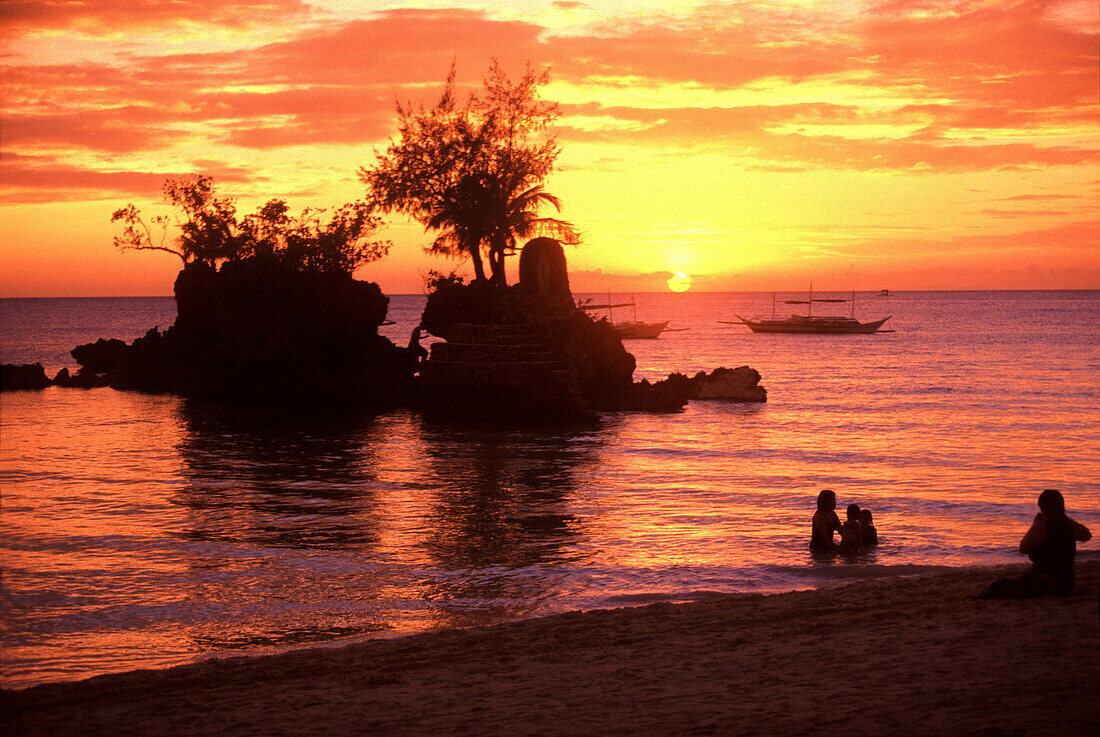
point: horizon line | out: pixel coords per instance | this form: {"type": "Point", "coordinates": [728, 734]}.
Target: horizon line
{"type": "Point", "coordinates": [634, 291]}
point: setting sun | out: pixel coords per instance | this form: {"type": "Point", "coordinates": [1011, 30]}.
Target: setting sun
{"type": "Point", "coordinates": [679, 282]}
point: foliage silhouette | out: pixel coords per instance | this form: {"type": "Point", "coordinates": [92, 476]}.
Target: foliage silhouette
{"type": "Point", "coordinates": [210, 232]}
{"type": "Point", "coordinates": [474, 173]}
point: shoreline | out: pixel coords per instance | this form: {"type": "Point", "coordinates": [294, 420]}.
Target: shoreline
{"type": "Point", "coordinates": [908, 655]}
{"type": "Point", "coordinates": [830, 571]}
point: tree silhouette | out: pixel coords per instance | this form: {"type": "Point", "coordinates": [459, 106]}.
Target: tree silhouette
{"type": "Point", "coordinates": [210, 232]}
{"type": "Point", "coordinates": [474, 173]}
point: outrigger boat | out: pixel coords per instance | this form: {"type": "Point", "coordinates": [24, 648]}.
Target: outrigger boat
{"type": "Point", "coordinates": [634, 328]}
{"type": "Point", "coordinates": [810, 323]}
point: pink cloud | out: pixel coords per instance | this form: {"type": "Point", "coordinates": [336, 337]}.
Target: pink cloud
{"type": "Point", "coordinates": [34, 179]}
{"type": "Point", "coordinates": [755, 130]}
{"type": "Point", "coordinates": [1079, 236]}
{"type": "Point", "coordinates": [721, 45]}
{"type": "Point", "coordinates": [1039, 197]}
{"type": "Point", "coordinates": [394, 49]}
{"type": "Point", "coordinates": [125, 130]}
{"type": "Point", "coordinates": [106, 17]}
{"type": "Point", "coordinates": [1023, 214]}
{"type": "Point", "coordinates": [345, 82]}
{"type": "Point", "coordinates": [1008, 55]}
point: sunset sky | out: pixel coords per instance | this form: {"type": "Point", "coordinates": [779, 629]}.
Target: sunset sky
{"type": "Point", "coordinates": [905, 144]}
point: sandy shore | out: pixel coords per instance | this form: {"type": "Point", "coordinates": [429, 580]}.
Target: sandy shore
{"type": "Point", "coordinates": [909, 656]}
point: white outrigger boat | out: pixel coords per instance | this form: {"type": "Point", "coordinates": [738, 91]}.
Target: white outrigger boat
{"type": "Point", "coordinates": [634, 328]}
{"type": "Point", "coordinates": [810, 323]}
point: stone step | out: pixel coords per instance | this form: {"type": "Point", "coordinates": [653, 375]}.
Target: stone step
{"type": "Point", "coordinates": [536, 375]}
{"type": "Point", "coordinates": [497, 353]}
{"type": "Point", "coordinates": [471, 333]}
{"type": "Point", "coordinates": [510, 357]}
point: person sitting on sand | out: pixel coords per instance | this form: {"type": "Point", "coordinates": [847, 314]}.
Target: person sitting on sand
{"type": "Point", "coordinates": [851, 537]}
{"type": "Point", "coordinates": [867, 530]}
{"type": "Point", "coordinates": [825, 522]}
{"type": "Point", "coordinates": [1051, 544]}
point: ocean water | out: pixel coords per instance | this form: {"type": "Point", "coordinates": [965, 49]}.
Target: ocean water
{"type": "Point", "coordinates": [144, 531]}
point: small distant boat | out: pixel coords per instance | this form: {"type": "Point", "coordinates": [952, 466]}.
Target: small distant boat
{"type": "Point", "coordinates": [884, 293]}
{"type": "Point", "coordinates": [634, 328]}
{"type": "Point", "coordinates": [811, 323]}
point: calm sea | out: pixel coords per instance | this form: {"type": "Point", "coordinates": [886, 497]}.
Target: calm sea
{"type": "Point", "coordinates": [144, 531]}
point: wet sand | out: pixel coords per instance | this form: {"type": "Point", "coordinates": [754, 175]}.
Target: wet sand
{"type": "Point", "coordinates": [895, 656]}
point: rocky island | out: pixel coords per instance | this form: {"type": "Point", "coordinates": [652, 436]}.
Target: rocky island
{"type": "Point", "coordinates": [251, 330]}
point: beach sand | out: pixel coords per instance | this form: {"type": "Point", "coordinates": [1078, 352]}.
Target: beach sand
{"type": "Point", "coordinates": [886, 656]}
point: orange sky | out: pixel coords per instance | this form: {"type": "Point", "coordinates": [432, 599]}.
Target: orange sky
{"type": "Point", "coordinates": [906, 144]}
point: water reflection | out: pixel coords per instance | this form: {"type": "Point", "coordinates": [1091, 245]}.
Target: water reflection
{"type": "Point", "coordinates": [311, 527]}
{"type": "Point", "coordinates": [278, 478]}
{"type": "Point", "coordinates": [280, 507]}
{"type": "Point", "coordinates": [501, 515]}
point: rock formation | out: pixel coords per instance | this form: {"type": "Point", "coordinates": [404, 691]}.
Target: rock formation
{"type": "Point", "coordinates": [257, 329]}
{"type": "Point", "coordinates": [22, 376]}
{"type": "Point", "coordinates": [741, 384]}
{"type": "Point", "coordinates": [528, 350]}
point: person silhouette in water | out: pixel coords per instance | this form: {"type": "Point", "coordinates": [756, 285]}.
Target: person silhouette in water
{"type": "Point", "coordinates": [1051, 544]}
{"type": "Point", "coordinates": [867, 528]}
{"type": "Point", "coordinates": [825, 522]}
{"type": "Point", "coordinates": [851, 534]}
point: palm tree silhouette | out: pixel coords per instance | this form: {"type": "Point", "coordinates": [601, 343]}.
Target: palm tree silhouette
{"type": "Point", "coordinates": [492, 213]}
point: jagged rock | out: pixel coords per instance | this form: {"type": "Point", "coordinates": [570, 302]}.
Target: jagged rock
{"type": "Point", "coordinates": [252, 311]}
{"type": "Point", "coordinates": [529, 346]}
{"type": "Point", "coordinates": [22, 376]}
{"type": "Point", "coordinates": [501, 370]}
{"type": "Point", "coordinates": [253, 329]}
{"type": "Point", "coordinates": [479, 303]}
{"type": "Point", "coordinates": [102, 356]}
{"type": "Point", "coordinates": [741, 384]}
{"type": "Point", "coordinates": [83, 379]}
